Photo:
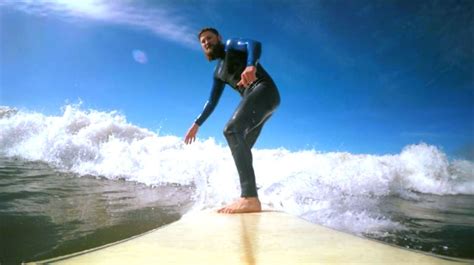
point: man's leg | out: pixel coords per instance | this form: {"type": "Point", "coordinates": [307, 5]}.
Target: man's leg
{"type": "Point", "coordinates": [241, 133]}
{"type": "Point", "coordinates": [251, 136]}
{"type": "Point", "coordinates": [235, 133]}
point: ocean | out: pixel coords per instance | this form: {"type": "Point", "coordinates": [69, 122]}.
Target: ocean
{"type": "Point", "coordinates": [87, 178]}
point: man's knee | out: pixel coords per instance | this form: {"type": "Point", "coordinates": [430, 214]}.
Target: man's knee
{"type": "Point", "coordinates": [234, 127]}
{"type": "Point", "coordinates": [230, 128]}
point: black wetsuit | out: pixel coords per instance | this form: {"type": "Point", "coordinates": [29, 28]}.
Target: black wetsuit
{"type": "Point", "coordinates": [258, 102]}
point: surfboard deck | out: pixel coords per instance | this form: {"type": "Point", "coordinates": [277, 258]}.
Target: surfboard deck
{"type": "Point", "coordinates": [256, 238]}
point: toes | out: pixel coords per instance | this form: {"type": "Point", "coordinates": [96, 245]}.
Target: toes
{"type": "Point", "coordinates": [224, 210]}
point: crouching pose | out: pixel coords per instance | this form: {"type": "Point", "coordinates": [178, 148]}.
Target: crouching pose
{"type": "Point", "coordinates": [238, 66]}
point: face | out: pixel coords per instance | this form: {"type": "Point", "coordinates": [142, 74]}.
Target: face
{"type": "Point", "coordinates": [209, 41]}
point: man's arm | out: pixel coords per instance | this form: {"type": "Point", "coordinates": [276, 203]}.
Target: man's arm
{"type": "Point", "coordinates": [211, 103]}
{"type": "Point", "coordinates": [253, 50]}
{"type": "Point", "coordinates": [209, 107]}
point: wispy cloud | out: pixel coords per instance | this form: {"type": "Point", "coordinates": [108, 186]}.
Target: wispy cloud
{"type": "Point", "coordinates": [159, 21]}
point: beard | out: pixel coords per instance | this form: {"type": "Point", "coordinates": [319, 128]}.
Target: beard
{"type": "Point", "coordinates": [217, 51]}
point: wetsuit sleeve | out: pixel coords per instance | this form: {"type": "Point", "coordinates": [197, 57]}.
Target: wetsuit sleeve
{"type": "Point", "coordinates": [251, 47]}
{"type": "Point", "coordinates": [210, 105]}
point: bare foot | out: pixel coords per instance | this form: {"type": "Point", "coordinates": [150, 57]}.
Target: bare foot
{"type": "Point", "coordinates": [243, 205]}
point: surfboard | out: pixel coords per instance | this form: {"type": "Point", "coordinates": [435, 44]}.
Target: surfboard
{"type": "Point", "coordinates": [258, 238]}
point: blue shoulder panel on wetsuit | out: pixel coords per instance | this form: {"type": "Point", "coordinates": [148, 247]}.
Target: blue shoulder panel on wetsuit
{"type": "Point", "coordinates": [252, 47]}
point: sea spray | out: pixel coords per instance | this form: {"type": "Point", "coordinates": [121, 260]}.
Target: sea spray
{"type": "Point", "coordinates": [337, 189]}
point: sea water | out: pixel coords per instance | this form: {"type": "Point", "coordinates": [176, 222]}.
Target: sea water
{"type": "Point", "coordinates": [86, 178]}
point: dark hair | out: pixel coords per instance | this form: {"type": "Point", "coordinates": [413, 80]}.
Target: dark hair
{"type": "Point", "coordinates": [213, 30]}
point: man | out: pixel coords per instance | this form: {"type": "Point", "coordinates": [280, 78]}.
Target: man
{"type": "Point", "coordinates": [238, 66]}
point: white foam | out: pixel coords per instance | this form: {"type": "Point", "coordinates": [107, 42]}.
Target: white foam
{"type": "Point", "coordinates": [336, 189]}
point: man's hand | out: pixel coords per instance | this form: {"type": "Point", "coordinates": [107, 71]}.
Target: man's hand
{"type": "Point", "coordinates": [248, 76]}
{"type": "Point", "coordinates": [191, 134]}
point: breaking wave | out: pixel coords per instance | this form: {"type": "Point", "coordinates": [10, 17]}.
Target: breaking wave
{"type": "Point", "coordinates": [337, 189]}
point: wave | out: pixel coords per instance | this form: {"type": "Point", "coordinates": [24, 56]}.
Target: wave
{"type": "Point", "coordinates": [332, 188]}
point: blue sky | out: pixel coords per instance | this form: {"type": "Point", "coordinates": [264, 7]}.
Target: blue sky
{"type": "Point", "coordinates": [356, 76]}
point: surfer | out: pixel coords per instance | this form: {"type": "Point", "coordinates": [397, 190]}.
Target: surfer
{"type": "Point", "coordinates": [238, 66]}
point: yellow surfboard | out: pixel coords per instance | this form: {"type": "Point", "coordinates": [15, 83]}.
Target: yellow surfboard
{"type": "Point", "coordinates": [259, 238]}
